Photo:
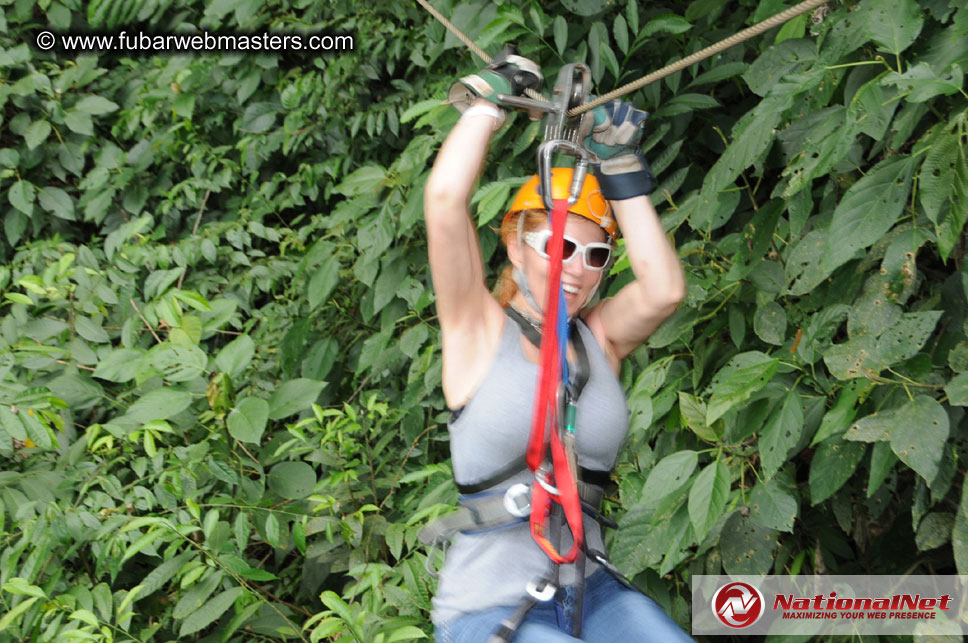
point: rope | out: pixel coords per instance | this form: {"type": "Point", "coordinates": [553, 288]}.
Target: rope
{"type": "Point", "coordinates": [668, 70]}
{"type": "Point", "coordinates": [480, 53]}
{"type": "Point", "coordinates": [702, 54]}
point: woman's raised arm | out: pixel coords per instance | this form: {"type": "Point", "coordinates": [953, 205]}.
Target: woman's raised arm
{"type": "Point", "coordinates": [624, 321]}
{"type": "Point", "coordinates": [454, 251]}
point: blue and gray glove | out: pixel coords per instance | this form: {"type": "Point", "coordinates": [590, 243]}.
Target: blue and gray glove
{"type": "Point", "coordinates": [615, 136]}
{"type": "Point", "coordinates": [508, 74]}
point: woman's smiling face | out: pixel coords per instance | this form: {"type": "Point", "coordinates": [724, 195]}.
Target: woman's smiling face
{"type": "Point", "coordinates": [578, 282]}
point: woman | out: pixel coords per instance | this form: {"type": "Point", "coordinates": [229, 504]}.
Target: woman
{"type": "Point", "coordinates": [490, 367]}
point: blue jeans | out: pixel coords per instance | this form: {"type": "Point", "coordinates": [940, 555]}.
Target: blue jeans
{"type": "Point", "coordinates": [612, 612]}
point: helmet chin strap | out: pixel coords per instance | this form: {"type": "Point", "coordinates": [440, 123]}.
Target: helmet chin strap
{"type": "Point", "coordinates": [522, 281]}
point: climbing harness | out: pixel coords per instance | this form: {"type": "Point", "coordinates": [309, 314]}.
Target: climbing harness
{"type": "Point", "coordinates": [561, 492]}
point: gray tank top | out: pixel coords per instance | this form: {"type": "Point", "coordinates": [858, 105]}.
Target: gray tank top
{"type": "Point", "coordinates": [493, 568]}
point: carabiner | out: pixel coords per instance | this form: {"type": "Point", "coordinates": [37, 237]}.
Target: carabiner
{"type": "Point", "coordinates": [545, 152]}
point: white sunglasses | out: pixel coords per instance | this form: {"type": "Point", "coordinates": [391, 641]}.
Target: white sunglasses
{"type": "Point", "coordinates": [594, 255]}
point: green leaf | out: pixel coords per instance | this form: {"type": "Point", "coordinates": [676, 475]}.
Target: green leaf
{"type": "Point", "coordinates": [781, 434]}
{"type": "Point", "coordinates": [685, 103]}
{"type": "Point", "coordinates": [84, 616]}
{"type": "Point", "coordinates": [406, 633]}
{"type": "Point", "coordinates": [959, 533]}
{"type": "Point", "coordinates": [934, 530]}
{"type": "Point", "coordinates": [238, 566]}
{"type": "Point", "coordinates": [235, 356]}
{"type": "Point", "coordinates": [160, 575]}
{"type": "Point", "coordinates": [669, 474]}
{"type": "Point", "coordinates": [584, 7]}
{"type": "Point", "coordinates": [323, 281]}
{"type": "Point", "coordinates": [21, 195]}
{"type": "Point", "coordinates": [120, 365]}
{"type": "Point", "coordinates": [178, 362]}
{"type": "Point", "coordinates": [752, 136]}
{"type": "Point", "coordinates": [20, 586]}
{"type": "Point", "coordinates": [159, 404]}
{"type": "Point", "coordinates": [365, 180]}
{"type": "Point", "coordinates": [247, 421]}
{"type": "Point", "coordinates": [388, 284]}
{"type": "Point", "coordinates": [210, 611]}
{"type": "Point", "coordinates": [620, 32]}
{"type": "Point", "coordinates": [834, 462]}
{"type": "Point", "coordinates": [19, 609]}
{"type": "Point", "coordinates": [719, 73]}
{"type": "Point", "coordinates": [561, 34]}
{"type": "Point", "coordinates": [91, 330]}
{"type": "Point", "coordinates": [193, 299]}
{"type": "Point", "coordinates": [79, 122]}
{"type": "Point", "coordinates": [491, 200]}
{"type": "Point", "coordinates": [937, 175]}
{"type": "Point", "coordinates": [769, 323]}
{"type": "Point", "coordinates": [36, 134]}
{"type": "Point", "coordinates": [957, 390]}
{"type": "Point", "coordinates": [835, 420]}
{"type": "Point", "coordinates": [294, 396]}
{"type": "Point", "coordinates": [920, 83]}
{"type": "Point", "coordinates": [773, 506]}
{"type": "Point", "coordinates": [693, 412]}
{"type": "Point", "coordinates": [258, 118]}
{"type": "Point", "coordinates": [707, 498]}
{"type": "Point", "coordinates": [868, 210]}
{"type": "Point", "coordinates": [893, 24]}
{"type": "Point", "coordinates": [745, 546]}
{"type": "Point", "coordinates": [96, 105]}
{"type": "Point", "coordinates": [742, 376]}
{"type": "Point", "coordinates": [36, 430]}
{"type": "Point", "coordinates": [103, 600]}
{"type": "Point", "coordinates": [665, 23]}
{"type": "Point", "coordinates": [949, 228]}
{"type": "Point", "coordinates": [293, 480]}
{"type": "Point", "coordinates": [12, 424]}
{"type": "Point", "coordinates": [919, 437]}
{"type": "Point", "coordinates": [795, 28]}
{"type": "Point", "coordinates": [57, 202]}
{"type": "Point", "coordinates": [418, 109]}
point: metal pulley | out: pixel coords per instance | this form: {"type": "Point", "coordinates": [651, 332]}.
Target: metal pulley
{"type": "Point", "coordinates": [570, 90]}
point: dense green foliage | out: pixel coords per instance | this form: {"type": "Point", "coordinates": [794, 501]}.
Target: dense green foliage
{"type": "Point", "coordinates": [220, 411]}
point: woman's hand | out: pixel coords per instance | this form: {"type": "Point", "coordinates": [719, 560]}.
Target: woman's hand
{"type": "Point", "coordinates": [622, 170]}
{"type": "Point", "coordinates": [508, 74]}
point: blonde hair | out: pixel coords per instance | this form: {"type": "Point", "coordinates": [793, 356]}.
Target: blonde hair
{"type": "Point", "coordinates": [505, 288]}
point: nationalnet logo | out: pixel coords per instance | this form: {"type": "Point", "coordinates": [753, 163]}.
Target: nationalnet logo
{"type": "Point", "coordinates": [738, 605]}
{"type": "Point", "coordinates": [830, 605]}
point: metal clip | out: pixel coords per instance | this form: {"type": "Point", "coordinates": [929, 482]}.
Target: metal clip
{"type": "Point", "coordinates": [539, 476]}
{"type": "Point", "coordinates": [545, 153]}
{"type": "Point", "coordinates": [545, 593]}
{"type": "Point", "coordinates": [517, 500]}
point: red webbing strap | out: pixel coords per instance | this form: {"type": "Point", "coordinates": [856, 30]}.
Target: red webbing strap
{"type": "Point", "coordinates": [545, 419]}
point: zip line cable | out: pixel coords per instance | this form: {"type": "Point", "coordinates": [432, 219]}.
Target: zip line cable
{"type": "Point", "coordinates": [679, 65]}
{"type": "Point", "coordinates": [700, 55]}
{"type": "Point", "coordinates": [470, 44]}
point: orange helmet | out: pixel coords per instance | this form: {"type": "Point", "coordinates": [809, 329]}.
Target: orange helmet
{"type": "Point", "coordinates": [590, 204]}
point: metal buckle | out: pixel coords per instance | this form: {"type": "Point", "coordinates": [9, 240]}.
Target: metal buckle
{"type": "Point", "coordinates": [539, 476]}
{"type": "Point", "coordinates": [546, 593]}
{"type": "Point", "coordinates": [517, 500]}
